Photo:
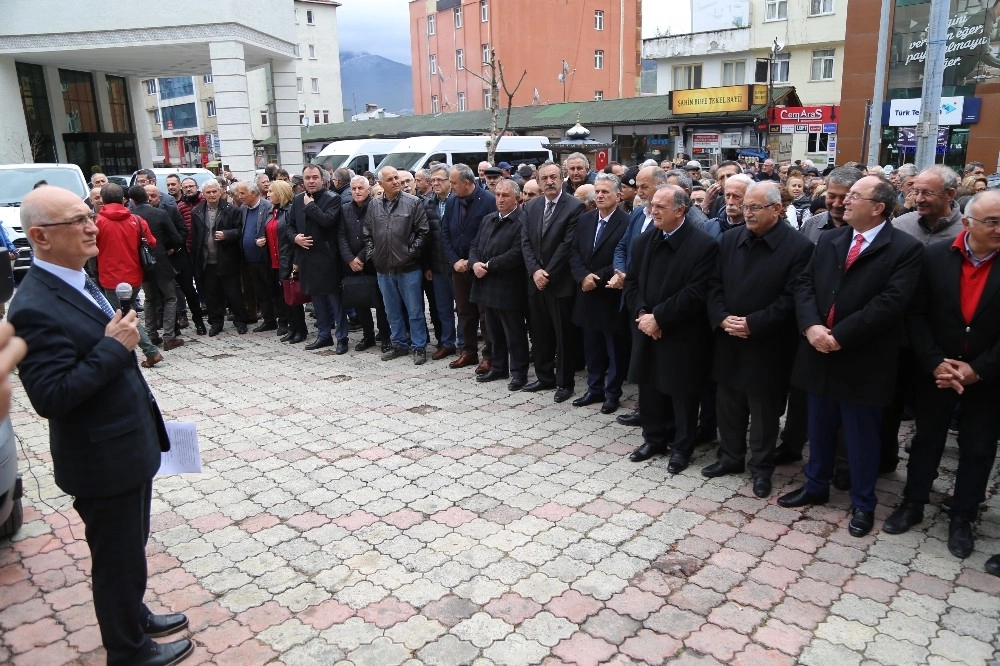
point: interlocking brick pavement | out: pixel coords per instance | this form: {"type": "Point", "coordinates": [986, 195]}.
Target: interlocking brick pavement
{"type": "Point", "coordinates": [353, 511]}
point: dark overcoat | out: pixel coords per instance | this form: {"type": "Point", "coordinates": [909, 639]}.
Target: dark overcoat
{"type": "Point", "coordinates": [499, 243]}
{"type": "Point", "coordinates": [600, 308]}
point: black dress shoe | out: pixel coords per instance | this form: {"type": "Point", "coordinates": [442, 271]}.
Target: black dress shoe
{"type": "Point", "coordinates": [164, 625]}
{"type": "Point", "coordinates": [678, 463]}
{"type": "Point", "coordinates": [296, 339]}
{"type": "Point", "coordinates": [842, 479]}
{"type": "Point", "coordinates": [366, 343]}
{"type": "Point", "coordinates": [539, 385]}
{"type": "Point", "coordinates": [992, 565]}
{"type": "Point", "coordinates": [802, 497]}
{"type": "Point", "coordinates": [266, 326]}
{"type": "Point", "coordinates": [562, 394]}
{"type": "Point", "coordinates": [165, 654]}
{"type": "Point", "coordinates": [282, 330]}
{"type": "Point", "coordinates": [199, 328]}
{"type": "Point", "coordinates": [644, 452]}
{"type": "Point", "coordinates": [588, 398]}
{"type": "Point", "coordinates": [492, 375]}
{"type": "Point", "coordinates": [862, 522]}
{"type": "Point", "coordinates": [241, 329]}
{"type": "Point", "coordinates": [214, 331]}
{"type": "Point", "coordinates": [319, 343]}
{"type": "Point", "coordinates": [784, 455]}
{"type": "Point", "coordinates": [629, 419]}
{"type": "Point", "coordinates": [960, 541]}
{"type": "Point", "coordinates": [341, 347]}
{"type": "Point", "coordinates": [610, 406]}
{"type": "Point", "coordinates": [762, 487]}
{"type": "Point", "coordinates": [906, 515]}
{"type": "Point", "coordinates": [720, 468]}
{"type": "Point", "coordinates": [288, 336]}
{"type": "Point", "coordinates": [515, 384]}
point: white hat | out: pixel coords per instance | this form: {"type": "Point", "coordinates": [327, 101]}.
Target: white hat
{"type": "Point", "coordinates": [887, 169]}
{"type": "Point", "coordinates": [693, 164]}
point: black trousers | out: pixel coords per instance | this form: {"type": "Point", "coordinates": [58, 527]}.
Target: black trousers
{"type": "Point", "coordinates": [428, 287]}
{"type": "Point", "coordinates": [606, 355]}
{"type": "Point", "coordinates": [668, 419]}
{"type": "Point", "coordinates": [469, 314]}
{"type": "Point", "coordinates": [756, 413]}
{"type": "Point", "coordinates": [219, 289]}
{"type": "Point", "coordinates": [509, 335]}
{"type": "Point", "coordinates": [185, 282]}
{"type": "Point", "coordinates": [796, 430]}
{"type": "Point", "coordinates": [117, 529]}
{"type": "Point", "coordinates": [297, 319]}
{"type": "Point", "coordinates": [368, 324]}
{"type": "Point", "coordinates": [266, 289]}
{"type": "Point", "coordinates": [978, 430]}
{"type": "Point", "coordinates": [889, 436]}
{"type": "Point", "coordinates": [551, 334]}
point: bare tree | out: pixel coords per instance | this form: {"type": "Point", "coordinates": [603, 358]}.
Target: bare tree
{"type": "Point", "coordinates": [497, 82]}
{"type": "Point", "coordinates": [27, 152]}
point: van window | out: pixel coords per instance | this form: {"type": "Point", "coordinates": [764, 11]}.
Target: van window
{"type": "Point", "coordinates": [468, 159]}
{"type": "Point", "coordinates": [436, 157]}
{"type": "Point", "coordinates": [359, 164]}
{"type": "Point", "coordinates": [403, 160]}
{"type": "Point", "coordinates": [515, 158]}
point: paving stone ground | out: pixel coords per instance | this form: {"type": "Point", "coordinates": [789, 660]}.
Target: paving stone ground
{"type": "Point", "coordinates": [353, 511]}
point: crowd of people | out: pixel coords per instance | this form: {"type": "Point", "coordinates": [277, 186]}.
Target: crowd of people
{"type": "Point", "coordinates": [845, 300]}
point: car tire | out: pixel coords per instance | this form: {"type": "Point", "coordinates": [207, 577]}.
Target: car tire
{"type": "Point", "coordinates": [13, 522]}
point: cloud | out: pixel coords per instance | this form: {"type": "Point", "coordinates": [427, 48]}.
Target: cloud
{"type": "Point", "coordinates": [376, 26]}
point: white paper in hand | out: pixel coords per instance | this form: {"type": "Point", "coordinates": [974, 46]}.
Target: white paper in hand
{"type": "Point", "coordinates": [184, 456]}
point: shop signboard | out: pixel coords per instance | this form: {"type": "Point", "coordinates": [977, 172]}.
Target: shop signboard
{"type": "Point", "coordinates": [906, 112]}
{"type": "Point", "coordinates": [705, 140]}
{"type": "Point", "coordinates": [710, 100]}
{"type": "Point", "coordinates": [797, 115]}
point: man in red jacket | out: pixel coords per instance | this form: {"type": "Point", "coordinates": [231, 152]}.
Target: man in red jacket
{"type": "Point", "coordinates": [118, 256]}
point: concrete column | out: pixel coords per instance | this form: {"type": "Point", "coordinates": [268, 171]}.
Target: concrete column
{"type": "Point", "coordinates": [104, 122]}
{"type": "Point", "coordinates": [15, 146]}
{"type": "Point", "coordinates": [60, 124]}
{"type": "Point", "coordinates": [286, 108]}
{"type": "Point", "coordinates": [232, 107]}
{"type": "Point", "coordinates": [144, 142]}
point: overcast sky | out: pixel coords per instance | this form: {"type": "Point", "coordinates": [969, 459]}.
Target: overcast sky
{"type": "Point", "coordinates": [383, 26]}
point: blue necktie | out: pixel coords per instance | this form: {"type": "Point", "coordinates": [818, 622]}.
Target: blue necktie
{"type": "Point", "coordinates": [600, 228]}
{"type": "Point", "coordinates": [96, 294]}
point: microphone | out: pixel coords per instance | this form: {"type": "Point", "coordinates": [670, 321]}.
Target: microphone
{"type": "Point", "coordinates": [124, 293]}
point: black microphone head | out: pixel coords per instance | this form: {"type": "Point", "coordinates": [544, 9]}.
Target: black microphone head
{"type": "Point", "coordinates": [123, 291]}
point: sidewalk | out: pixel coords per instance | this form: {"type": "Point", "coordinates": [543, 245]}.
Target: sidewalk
{"type": "Point", "coordinates": [375, 513]}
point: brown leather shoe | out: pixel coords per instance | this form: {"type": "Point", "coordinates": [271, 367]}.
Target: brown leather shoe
{"type": "Point", "coordinates": [172, 343]}
{"type": "Point", "coordinates": [152, 360]}
{"type": "Point", "coordinates": [441, 353]}
{"type": "Point", "coordinates": [485, 366]}
{"type": "Point", "coordinates": [464, 359]}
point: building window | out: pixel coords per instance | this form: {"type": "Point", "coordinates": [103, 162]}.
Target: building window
{"type": "Point", "coordinates": [484, 11]}
{"type": "Point", "coordinates": [780, 67]}
{"type": "Point", "coordinates": [298, 85]}
{"type": "Point", "coordinates": [79, 100]}
{"type": "Point", "coordinates": [775, 10]}
{"type": "Point", "coordinates": [487, 99]}
{"type": "Point", "coordinates": [598, 95]}
{"type": "Point", "coordinates": [598, 19]}
{"type": "Point", "coordinates": [435, 105]}
{"type": "Point", "coordinates": [310, 18]}
{"type": "Point", "coordinates": [176, 86]}
{"type": "Point", "coordinates": [315, 85]}
{"type": "Point", "coordinates": [459, 59]}
{"type": "Point", "coordinates": [820, 7]}
{"type": "Point", "coordinates": [210, 108]}
{"type": "Point", "coordinates": [431, 24]}
{"type": "Point", "coordinates": [296, 17]}
{"type": "Point", "coordinates": [326, 116]}
{"type": "Point", "coordinates": [734, 72]}
{"type": "Point", "coordinates": [150, 86]}
{"type": "Point", "coordinates": [598, 59]}
{"type": "Point", "coordinates": [822, 65]}
{"type": "Point", "coordinates": [302, 117]}
{"type": "Point", "coordinates": [687, 77]}
{"type": "Point", "coordinates": [207, 78]}
{"type": "Point", "coordinates": [156, 116]}
{"type": "Point", "coordinates": [315, 116]}
{"type": "Point", "coordinates": [461, 101]}
{"type": "Point", "coordinates": [433, 62]}
{"type": "Point", "coordinates": [181, 116]}
{"type": "Point", "coordinates": [457, 12]}
{"type": "Point", "coordinates": [295, 51]}
{"type": "Point", "coordinates": [121, 112]}
{"type": "Point", "coordinates": [263, 116]}
{"type": "Point", "coordinates": [818, 142]}
{"type": "Point", "coordinates": [486, 54]}
{"type": "Point", "coordinates": [312, 51]}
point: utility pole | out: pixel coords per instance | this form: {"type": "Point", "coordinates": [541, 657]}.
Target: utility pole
{"type": "Point", "coordinates": [930, 101]}
{"type": "Point", "coordinates": [878, 97]}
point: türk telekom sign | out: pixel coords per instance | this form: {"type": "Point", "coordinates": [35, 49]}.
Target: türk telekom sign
{"type": "Point", "coordinates": [804, 115]}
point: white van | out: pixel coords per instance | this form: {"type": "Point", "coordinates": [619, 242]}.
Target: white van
{"type": "Point", "coordinates": [418, 152]}
{"type": "Point", "coordinates": [358, 155]}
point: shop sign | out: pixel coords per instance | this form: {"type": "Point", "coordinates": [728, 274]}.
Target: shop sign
{"type": "Point", "coordinates": [906, 137]}
{"type": "Point", "coordinates": [705, 140]}
{"type": "Point", "coordinates": [710, 100]}
{"type": "Point", "coordinates": [731, 140]}
{"type": "Point", "coordinates": [802, 129]}
{"type": "Point", "coordinates": [830, 128]}
{"type": "Point", "coordinates": [797, 115]}
{"type": "Point", "coordinates": [787, 129]}
{"type": "Point", "coordinates": [759, 95]}
{"type": "Point", "coordinates": [906, 112]}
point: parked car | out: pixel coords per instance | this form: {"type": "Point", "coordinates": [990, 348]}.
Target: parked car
{"type": "Point", "coordinates": [122, 180]}
{"type": "Point", "coordinates": [16, 180]}
{"type": "Point", "coordinates": [11, 512]}
{"type": "Point", "coordinates": [199, 175]}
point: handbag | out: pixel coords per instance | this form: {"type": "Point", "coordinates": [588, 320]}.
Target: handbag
{"type": "Point", "coordinates": [360, 291]}
{"type": "Point", "coordinates": [146, 259]}
{"type": "Point", "coordinates": [291, 289]}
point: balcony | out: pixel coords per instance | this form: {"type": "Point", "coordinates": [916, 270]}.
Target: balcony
{"type": "Point", "coordinates": [696, 44]}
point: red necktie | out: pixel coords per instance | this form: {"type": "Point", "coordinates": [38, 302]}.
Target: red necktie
{"type": "Point", "coordinates": [852, 256]}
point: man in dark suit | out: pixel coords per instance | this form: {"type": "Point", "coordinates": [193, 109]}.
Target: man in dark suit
{"type": "Point", "coordinates": [181, 261]}
{"type": "Point", "coordinates": [215, 253]}
{"type": "Point", "coordinates": [501, 288]}
{"type": "Point", "coordinates": [665, 293]}
{"type": "Point", "coordinates": [463, 213]}
{"type": "Point", "coordinates": [254, 214]}
{"type": "Point", "coordinates": [597, 310]}
{"type": "Point", "coordinates": [351, 243]}
{"type": "Point", "coordinates": [105, 429]}
{"type": "Point", "coordinates": [158, 284]}
{"type": "Point", "coordinates": [751, 306]}
{"type": "Point", "coordinates": [850, 304]}
{"type": "Point", "coordinates": [312, 227]}
{"type": "Point", "coordinates": [954, 327]}
{"type": "Point", "coordinates": [550, 222]}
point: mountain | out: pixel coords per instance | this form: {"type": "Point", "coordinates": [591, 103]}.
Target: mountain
{"type": "Point", "coordinates": [365, 78]}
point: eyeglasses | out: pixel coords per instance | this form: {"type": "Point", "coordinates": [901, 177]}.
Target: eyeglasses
{"type": "Point", "coordinates": [927, 194]}
{"type": "Point", "coordinates": [439, 180]}
{"type": "Point", "coordinates": [989, 222]}
{"type": "Point", "coordinates": [78, 221]}
{"type": "Point", "coordinates": [754, 208]}
{"type": "Point", "coordinates": [854, 196]}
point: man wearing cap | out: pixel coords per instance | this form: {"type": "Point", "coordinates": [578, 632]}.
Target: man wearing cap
{"type": "Point", "coordinates": [628, 191]}
{"type": "Point", "coordinates": [492, 176]}
{"type": "Point", "coordinates": [504, 169]}
{"type": "Point", "coordinates": [693, 168]}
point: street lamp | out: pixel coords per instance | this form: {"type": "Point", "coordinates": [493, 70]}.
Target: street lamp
{"type": "Point", "coordinates": [776, 48]}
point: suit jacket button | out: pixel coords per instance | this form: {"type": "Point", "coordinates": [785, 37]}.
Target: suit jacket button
{"type": "Point", "coordinates": [968, 329]}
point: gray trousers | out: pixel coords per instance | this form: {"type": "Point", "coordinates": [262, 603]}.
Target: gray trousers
{"type": "Point", "coordinates": [148, 348]}
{"type": "Point", "coordinates": [165, 292]}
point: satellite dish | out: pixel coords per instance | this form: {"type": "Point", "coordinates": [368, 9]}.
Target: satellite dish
{"type": "Point", "coordinates": [778, 46]}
